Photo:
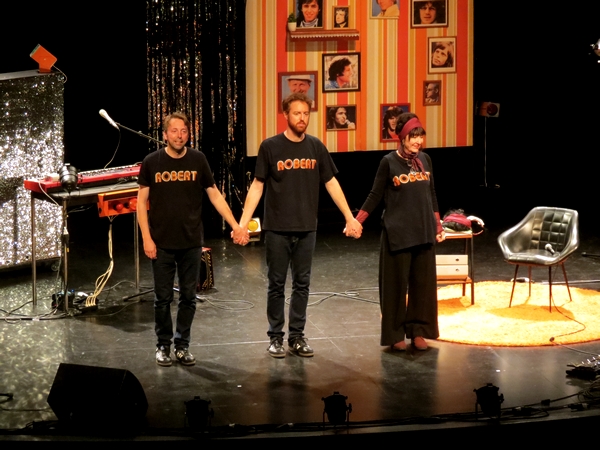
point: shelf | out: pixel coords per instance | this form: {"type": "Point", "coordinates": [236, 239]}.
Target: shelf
{"type": "Point", "coordinates": [312, 34]}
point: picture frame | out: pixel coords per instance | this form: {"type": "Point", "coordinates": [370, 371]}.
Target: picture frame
{"type": "Point", "coordinates": [428, 14]}
{"type": "Point", "coordinates": [340, 17]}
{"type": "Point", "coordinates": [392, 10]}
{"type": "Point", "coordinates": [303, 81]}
{"type": "Point", "coordinates": [341, 72]}
{"type": "Point", "coordinates": [306, 5]}
{"type": "Point", "coordinates": [387, 113]}
{"type": "Point", "coordinates": [432, 92]}
{"type": "Point", "coordinates": [441, 56]}
{"type": "Point", "coordinates": [340, 118]}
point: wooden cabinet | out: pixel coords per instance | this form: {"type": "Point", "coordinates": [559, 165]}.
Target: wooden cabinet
{"type": "Point", "coordinates": [457, 268]}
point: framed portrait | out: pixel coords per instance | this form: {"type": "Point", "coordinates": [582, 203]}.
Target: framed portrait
{"type": "Point", "coordinates": [340, 17]}
{"type": "Point", "coordinates": [442, 54]}
{"type": "Point", "coordinates": [310, 13]}
{"type": "Point", "coordinates": [341, 72]}
{"type": "Point", "coordinates": [388, 114]}
{"type": "Point", "coordinates": [432, 92]}
{"type": "Point", "coordinates": [340, 118]}
{"type": "Point", "coordinates": [429, 14]}
{"type": "Point", "coordinates": [305, 82]}
{"type": "Point", "coordinates": [384, 9]}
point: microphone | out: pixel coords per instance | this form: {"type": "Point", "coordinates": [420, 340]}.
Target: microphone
{"type": "Point", "coordinates": [105, 115]}
{"type": "Point", "coordinates": [549, 248]}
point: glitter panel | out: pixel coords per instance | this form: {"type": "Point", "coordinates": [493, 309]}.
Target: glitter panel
{"type": "Point", "coordinates": [31, 146]}
{"type": "Point", "coordinates": [196, 60]}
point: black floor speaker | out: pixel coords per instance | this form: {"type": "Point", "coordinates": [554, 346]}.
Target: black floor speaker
{"type": "Point", "coordinates": [91, 397]}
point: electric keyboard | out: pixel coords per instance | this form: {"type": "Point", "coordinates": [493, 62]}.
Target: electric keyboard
{"type": "Point", "coordinates": [88, 179]}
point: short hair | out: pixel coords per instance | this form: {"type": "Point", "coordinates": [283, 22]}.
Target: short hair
{"type": "Point", "coordinates": [393, 111]}
{"type": "Point", "coordinates": [306, 2]}
{"type": "Point", "coordinates": [440, 10]}
{"type": "Point", "coordinates": [344, 9]}
{"type": "Point", "coordinates": [436, 86]}
{"type": "Point", "coordinates": [405, 117]}
{"type": "Point", "coordinates": [446, 45]}
{"type": "Point", "coordinates": [336, 68]}
{"type": "Point", "coordinates": [176, 115]}
{"type": "Point", "coordinates": [295, 97]}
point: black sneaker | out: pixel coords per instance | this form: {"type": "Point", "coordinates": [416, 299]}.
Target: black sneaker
{"type": "Point", "coordinates": [300, 347]}
{"type": "Point", "coordinates": [163, 356]}
{"type": "Point", "coordinates": [276, 349]}
{"type": "Point", "coordinates": [185, 357]}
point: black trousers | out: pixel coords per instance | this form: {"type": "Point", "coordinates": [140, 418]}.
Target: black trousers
{"type": "Point", "coordinates": [407, 292]}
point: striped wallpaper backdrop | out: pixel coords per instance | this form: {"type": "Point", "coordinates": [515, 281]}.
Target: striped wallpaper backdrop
{"type": "Point", "coordinates": [393, 66]}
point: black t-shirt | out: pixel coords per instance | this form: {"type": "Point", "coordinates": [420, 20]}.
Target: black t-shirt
{"type": "Point", "coordinates": [176, 192]}
{"type": "Point", "coordinates": [292, 173]}
{"type": "Point", "coordinates": [410, 201]}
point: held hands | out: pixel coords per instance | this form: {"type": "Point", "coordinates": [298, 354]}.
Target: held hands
{"type": "Point", "coordinates": [240, 235]}
{"type": "Point", "coordinates": [353, 229]}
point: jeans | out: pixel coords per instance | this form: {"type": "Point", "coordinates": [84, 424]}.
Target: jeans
{"type": "Point", "coordinates": [295, 251]}
{"type": "Point", "coordinates": [186, 263]}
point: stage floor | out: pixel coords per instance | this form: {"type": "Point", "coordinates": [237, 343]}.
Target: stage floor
{"type": "Point", "coordinates": [244, 385]}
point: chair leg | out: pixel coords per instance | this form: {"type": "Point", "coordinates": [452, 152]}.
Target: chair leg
{"type": "Point", "coordinates": [550, 287]}
{"type": "Point", "coordinates": [513, 288]}
{"type": "Point", "coordinates": [566, 281]}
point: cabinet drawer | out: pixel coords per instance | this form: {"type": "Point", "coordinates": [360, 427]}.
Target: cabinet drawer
{"type": "Point", "coordinates": [451, 259]}
{"type": "Point", "coordinates": [452, 271]}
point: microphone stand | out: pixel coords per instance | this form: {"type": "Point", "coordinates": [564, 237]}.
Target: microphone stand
{"type": "Point", "coordinates": [136, 240]}
{"type": "Point", "coordinates": [140, 134]}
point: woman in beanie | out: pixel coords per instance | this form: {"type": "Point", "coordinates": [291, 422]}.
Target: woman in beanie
{"type": "Point", "coordinates": [410, 228]}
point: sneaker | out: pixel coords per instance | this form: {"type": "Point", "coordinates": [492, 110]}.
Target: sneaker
{"type": "Point", "coordinates": [185, 357]}
{"type": "Point", "coordinates": [419, 343]}
{"type": "Point", "coordinates": [301, 348]}
{"type": "Point", "coordinates": [163, 356]}
{"type": "Point", "coordinates": [276, 348]}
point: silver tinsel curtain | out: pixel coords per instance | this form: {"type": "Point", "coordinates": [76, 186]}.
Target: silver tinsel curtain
{"type": "Point", "coordinates": [196, 63]}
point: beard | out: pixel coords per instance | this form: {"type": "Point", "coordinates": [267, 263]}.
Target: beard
{"type": "Point", "coordinates": [298, 128]}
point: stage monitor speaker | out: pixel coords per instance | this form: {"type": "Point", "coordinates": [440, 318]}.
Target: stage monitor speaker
{"type": "Point", "coordinates": [90, 397]}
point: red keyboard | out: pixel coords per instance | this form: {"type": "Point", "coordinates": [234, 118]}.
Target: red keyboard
{"type": "Point", "coordinates": [92, 178]}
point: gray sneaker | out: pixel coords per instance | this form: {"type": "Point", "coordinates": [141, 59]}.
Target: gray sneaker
{"type": "Point", "coordinates": [300, 347]}
{"type": "Point", "coordinates": [163, 356]}
{"type": "Point", "coordinates": [276, 349]}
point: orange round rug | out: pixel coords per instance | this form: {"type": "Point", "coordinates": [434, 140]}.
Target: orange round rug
{"type": "Point", "coordinates": [527, 323]}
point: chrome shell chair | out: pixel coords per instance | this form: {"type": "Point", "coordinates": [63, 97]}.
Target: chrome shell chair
{"type": "Point", "coordinates": [546, 237]}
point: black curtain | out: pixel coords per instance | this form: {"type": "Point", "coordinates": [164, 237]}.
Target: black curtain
{"type": "Point", "coordinates": [196, 64]}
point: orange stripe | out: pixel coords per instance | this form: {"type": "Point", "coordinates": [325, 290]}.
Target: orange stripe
{"type": "Point", "coordinates": [362, 20]}
{"type": "Point", "coordinates": [281, 63]}
{"type": "Point", "coordinates": [264, 70]}
{"type": "Point", "coordinates": [421, 59]}
{"type": "Point", "coordinates": [403, 57]}
{"type": "Point", "coordinates": [462, 67]}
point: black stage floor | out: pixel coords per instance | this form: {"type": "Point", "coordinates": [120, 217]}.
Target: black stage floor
{"type": "Point", "coordinates": [251, 394]}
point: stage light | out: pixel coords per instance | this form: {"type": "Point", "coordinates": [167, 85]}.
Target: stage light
{"type": "Point", "coordinates": [68, 177]}
{"type": "Point", "coordinates": [336, 409]}
{"type": "Point", "coordinates": [489, 400]}
{"type": "Point", "coordinates": [198, 414]}
{"type": "Point", "coordinates": [44, 58]}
